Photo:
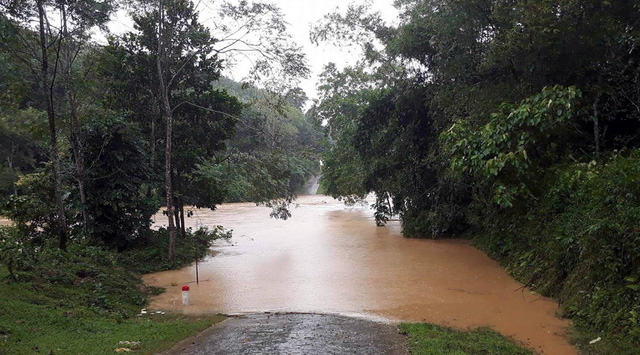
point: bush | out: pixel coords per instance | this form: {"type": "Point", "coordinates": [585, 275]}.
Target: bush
{"type": "Point", "coordinates": [151, 255]}
{"type": "Point", "coordinates": [103, 280]}
{"type": "Point", "coordinates": [15, 251]}
{"type": "Point", "coordinates": [82, 275]}
{"type": "Point", "coordinates": [580, 242]}
{"type": "Point", "coordinates": [33, 210]}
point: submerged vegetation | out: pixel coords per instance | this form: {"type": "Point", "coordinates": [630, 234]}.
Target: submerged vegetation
{"type": "Point", "coordinates": [514, 123]}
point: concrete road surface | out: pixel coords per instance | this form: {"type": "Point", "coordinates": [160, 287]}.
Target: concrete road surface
{"type": "Point", "coordinates": [295, 334]}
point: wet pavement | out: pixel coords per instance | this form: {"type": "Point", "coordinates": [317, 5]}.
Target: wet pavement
{"type": "Point", "coordinates": [295, 334]}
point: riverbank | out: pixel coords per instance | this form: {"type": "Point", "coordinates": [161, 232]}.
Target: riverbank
{"type": "Point", "coordinates": [578, 242]}
{"type": "Point", "coordinates": [89, 300]}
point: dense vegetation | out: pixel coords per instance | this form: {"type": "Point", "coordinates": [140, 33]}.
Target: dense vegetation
{"type": "Point", "coordinates": [83, 124]}
{"type": "Point", "coordinates": [95, 138]}
{"type": "Point", "coordinates": [516, 123]}
{"type": "Point", "coordinates": [87, 299]}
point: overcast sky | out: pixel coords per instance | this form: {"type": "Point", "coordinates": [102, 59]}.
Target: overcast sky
{"type": "Point", "coordinates": [300, 14]}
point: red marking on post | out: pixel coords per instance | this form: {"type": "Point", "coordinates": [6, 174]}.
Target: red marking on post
{"type": "Point", "coordinates": [185, 288]}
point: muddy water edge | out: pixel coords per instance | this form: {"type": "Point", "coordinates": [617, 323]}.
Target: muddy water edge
{"type": "Point", "coordinates": [330, 258]}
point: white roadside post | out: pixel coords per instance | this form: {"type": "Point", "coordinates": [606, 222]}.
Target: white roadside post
{"type": "Point", "coordinates": [185, 295]}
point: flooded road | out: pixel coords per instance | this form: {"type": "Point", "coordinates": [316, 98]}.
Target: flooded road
{"type": "Point", "coordinates": [329, 258]}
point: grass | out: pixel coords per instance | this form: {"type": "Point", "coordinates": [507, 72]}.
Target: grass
{"type": "Point", "coordinates": [430, 339]}
{"type": "Point", "coordinates": [88, 299]}
{"type": "Point", "coordinates": [54, 321]}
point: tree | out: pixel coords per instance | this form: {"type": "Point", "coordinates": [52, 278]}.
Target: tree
{"type": "Point", "coordinates": [115, 182]}
{"type": "Point", "coordinates": [49, 47]}
{"type": "Point", "coordinates": [192, 51]}
{"type": "Point", "coordinates": [448, 62]}
{"type": "Point", "coordinates": [201, 136]}
{"type": "Point", "coordinates": [77, 19]}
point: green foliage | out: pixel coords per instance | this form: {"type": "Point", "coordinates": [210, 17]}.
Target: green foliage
{"type": "Point", "coordinates": [120, 211]}
{"type": "Point", "coordinates": [19, 148]}
{"type": "Point", "coordinates": [429, 339]}
{"type": "Point", "coordinates": [484, 116]}
{"type": "Point", "coordinates": [15, 251]}
{"type": "Point", "coordinates": [103, 286]}
{"type": "Point", "coordinates": [108, 282]}
{"type": "Point", "coordinates": [85, 300]}
{"type": "Point", "coordinates": [579, 242]}
{"type": "Point", "coordinates": [343, 97]}
{"type": "Point", "coordinates": [275, 151]}
{"type": "Point", "coordinates": [44, 316]}
{"type": "Point", "coordinates": [515, 141]}
{"type": "Point", "coordinates": [33, 210]}
{"type": "Point", "coordinates": [150, 255]}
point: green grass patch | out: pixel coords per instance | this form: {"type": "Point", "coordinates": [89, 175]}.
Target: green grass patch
{"type": "Point", "coordinates": [58, 319]}
{"type": "Point", "coordinates": [87, 299]}
{"type": "Point", "coordinates": [430, 339]}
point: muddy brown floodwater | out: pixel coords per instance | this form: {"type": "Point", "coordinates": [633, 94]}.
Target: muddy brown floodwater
{"type": "Point", "coordinates": [5, 221]}
{"type": "Point", "coordinates": [330, 258]}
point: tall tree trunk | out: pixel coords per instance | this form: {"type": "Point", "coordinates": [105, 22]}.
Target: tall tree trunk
{"type": "Point", "coordinates": [184, 230]}
{"type": "Point", "coordinates": [47, 92]}
{"type": "Point", "coordinates": [152, 160]}
{"type": "Point", "coordinates": [167, 178]}
{"type": "Point", "coordinates": [76, 133]}
{"type": "Point", "coordinates": [164, 92]}
{"type": "Point", "coordinates": [76, 144]}
{"type": "Point", "coordinates": [596, 127]}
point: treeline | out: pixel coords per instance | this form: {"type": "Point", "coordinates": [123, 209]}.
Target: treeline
{"type": "Point", "coordinates": [95, 138]}
{"type": "Point", "coordinates": [515, 122]}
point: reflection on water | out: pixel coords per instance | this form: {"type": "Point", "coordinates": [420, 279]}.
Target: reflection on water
{"type": "Point", "coordinates": [333, 259]}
